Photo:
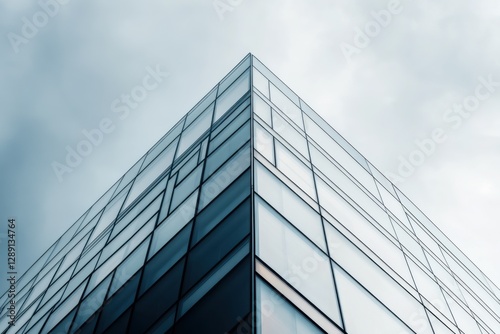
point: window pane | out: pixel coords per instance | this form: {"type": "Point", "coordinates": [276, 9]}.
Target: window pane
{"type": "Point", "coordinates": [235, 73]}
{"type": "Point", "coordinates": [268, 74]}
{"type": "Point", "coordinates": [295, 169]}
{"type": "Point", "coordinates": [195, 130]}
{"type": "Point", "coordinates": [129, 267]}
{"type": "Point", "coordinates": [214, 247]}
{"type": "Point", "coordinates": [70, 258]}
{"type": "Point", "coordinates": [63, 309]}
{"type": "Point", "coordinates": [229, 130]}
{"type": "Point", "coordinates": [221, 206]}
{"type": "Point", "coordinates": [227, 149]}
{"type": "Point", "coordinates": [136, 229]}
{"type": "Point", "coordinates": [115, 260]}
{"type": "Point", "coordinates": [213, 278]}
{"type": "Point", "coordinates": [464, 320]}
{"type": "Point", "coordinates": [165, 142]}
{"type": "Point", "coordinates": [116, 305]}
{"type": "Point", "coordinates": [100, 204]}
{"type": "Point", "coordinates": [289, 205]}
{"type": "Point", "coordinates": [173, 224]}
{"type": "Point", "coordinates": [262, 109]}
{"type": "Point", "coordinates": [109, 215]}
{"type": "Point", "coordinates": [429, 289]}
{"type": "Point", "coordinates": [189, 165]}
{"type": "Point", "coordinates": [140, 219]}
{"type": "Point", "coordinates": [340, 155]}
{"type": "Point", "coordinates": [201, 106]}
{"type": "Point", "coordinates": [264, 142]}
{"type": "Point", "coordinates": [375, 280]}
{"type": "Point", "coordinates": [166, 258]}
{"type": "Point", "coordinates": [148, 175]}
{"type": "Point", "coordinates": [395, 207]}
{"type": "Point", "coordinates": [277, 315]}
{"type": "Point", "coordinates": [296, 259]}
{"type": "Point", "coordinates": [363, 313]}
{"type": "Point", "coordinates": [232, 299]}
{"type": "Point", "coordinates": [186, 187]}
{"type": "Point", "coordinates": [363, 230]}
{"type": "Point", "coordinates": [347, 185]}
{"type": "Point", "coordinates": [410, 244]}
{"type": "Point", "coordinates": [289, 108]}
{"type": "Point", "coordinates": [260, 82]}
{"type": "Point", "coordinates": [232, 95]}
{"type": "Point", "coordinates": [228, 119]}
{"type": "Point", "coordinates": [91, 303]}
{"type": "Point", "coordinates": [148, 309]}
{"type": "Point", "coordinates": [288, 132]}
{"type": "Point", "coordinates": [224, 176]}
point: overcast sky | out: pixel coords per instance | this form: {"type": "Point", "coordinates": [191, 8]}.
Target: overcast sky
{"type": "Point", "coordinates": [382, 89]}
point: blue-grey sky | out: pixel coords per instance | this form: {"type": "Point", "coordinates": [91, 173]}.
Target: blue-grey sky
{"type": "Point", "coordinates": [382, 85]}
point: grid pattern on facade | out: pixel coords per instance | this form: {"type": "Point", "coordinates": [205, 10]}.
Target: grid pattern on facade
{"type": "Point", "coordinates": [253, 203]}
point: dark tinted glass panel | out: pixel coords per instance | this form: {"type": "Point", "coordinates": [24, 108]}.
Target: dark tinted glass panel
{"type": "Point", "coordinates": [221, 309]}
{"type": "Point", "coordinates": [164, 323]}
{"type": "Point", "coordinates": [119, 326]}
{"type": "Point", "coordinates": [166, 258]}
{"type": "Point", "coordinates": [190, 164]}
{"type": "Point", "coordinates": [227, 119]}
{"type": "Point", "coordinates": [221, 206]}
{"type": "Point", "coordinates": [88, 327]}
{"type": "Point", "coordinates": [235, 73]}
{"type": "Point", "coordinates": [115, 306]}
{"type": "Point", "coordinates": [201, 106]}
{"type": "Point", "coordinates": [227, 149]}
{"type": "Point", "coordinates": [229, 129]}
{"type": "Point", "coordinates": [63, 326]}
{"type": "Point", "coordinates": [216, 245]}
{"type": "Point", "coordinates": [157, 300]}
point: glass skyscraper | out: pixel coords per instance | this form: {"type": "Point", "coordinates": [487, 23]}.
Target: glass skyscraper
{"type": "Point", "coordinates": [253, 215]}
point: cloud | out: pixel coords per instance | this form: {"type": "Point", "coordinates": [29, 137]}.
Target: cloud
{"type": "Point", "coordinates": [394, 91]}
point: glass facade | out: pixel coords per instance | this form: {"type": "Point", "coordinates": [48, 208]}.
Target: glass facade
{"type": "Point", "coordinates": [253, 215]}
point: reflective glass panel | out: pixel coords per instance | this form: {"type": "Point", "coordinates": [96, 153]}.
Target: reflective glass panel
{"type": "Point", "coordinates": [200, 107]}
{"type": "Point", "coordinates": [289, 108]}
{"type": "Point", "coordinates": [264, 142]}
{"type": "Point", "coordinates": [230, 146]}
{"type": "Point", "coordinates": [166, 258]}
{"type": "Point", "coordinates": [291, 206]}
{"type": "Point", "coordinates": [186, 187]}
{"type": "Point", "coordinates": [375, 280]}
{"type": "Point", "coordinates": [230, 128]}
{"type": "Point", "coordinates": [173, 224]}
{"type": "Point", "coordinates": [260, 82]}
{"type": "Point", "coordinates": [277, 315]}
{"type": "Point", "coordinates": [232, 95]}
{"type": "Point", "coordinates": [221, 207]}
{"type": "Point", "coordinates": [288, 132]}
{"type": "Point", "coordinates": [362, 313]}
{"type": "Point", "coordinates": [295, 259]}
{"type": "Point", "coordinates": [194, 131]}
{"type": "Point", "coordinates": [129, 267]}
{"type": "Point", "coordinates": [224, 176]}
{"type": "Point", "coordinates": [262, 109]}
{"type": "Point", "coordinates": [148, 175]}
{"type": "Point", "coordinates": [295, 169]}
